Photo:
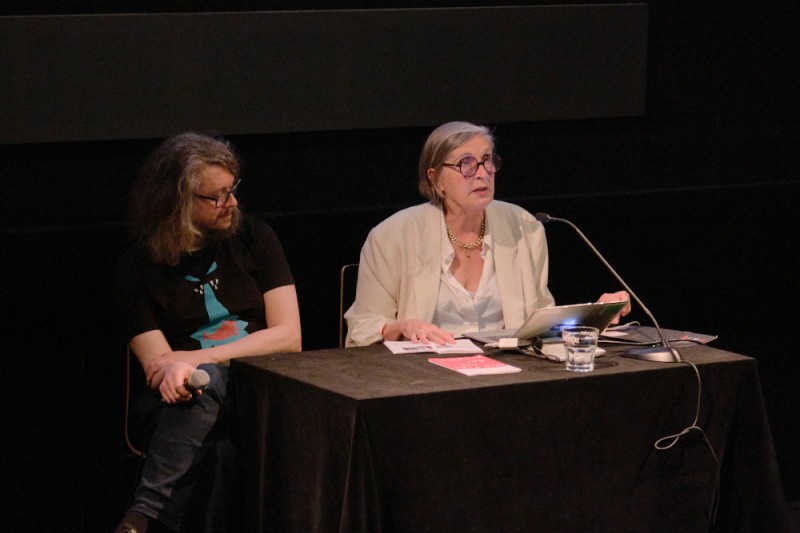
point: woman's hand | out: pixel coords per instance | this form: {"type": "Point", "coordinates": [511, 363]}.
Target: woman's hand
{"type": "Point", "coordinates": [616, 297]}
{"type": "Point", "coordinates": [417, 331]}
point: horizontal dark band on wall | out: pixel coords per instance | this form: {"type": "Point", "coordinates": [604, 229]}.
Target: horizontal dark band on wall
{"type": "Point", "coordinates": [128, 76]}
{"type": "Point", "coordinates": [783, 189]}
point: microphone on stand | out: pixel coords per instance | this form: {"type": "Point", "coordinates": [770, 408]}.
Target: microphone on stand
{"type": "Point", "coordinates": [663, 353]}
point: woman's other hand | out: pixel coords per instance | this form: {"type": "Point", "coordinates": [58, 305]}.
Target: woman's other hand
{"type": "Point", "coordinates": [616, 297]}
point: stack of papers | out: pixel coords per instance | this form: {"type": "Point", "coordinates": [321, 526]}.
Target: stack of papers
{"type": "Point", "coordinates": [461, 346]}
{"type": "Point", "coordinates": [648, 336]}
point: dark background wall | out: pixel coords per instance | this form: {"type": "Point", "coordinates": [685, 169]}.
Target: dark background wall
{"type": "Point", "coordinates": [693, 199]}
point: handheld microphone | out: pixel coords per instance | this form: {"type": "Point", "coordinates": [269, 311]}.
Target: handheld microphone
{"type": "Point", "coordinates": [663, 353]}
{"type": "Point", "coordinates": [197, 381]}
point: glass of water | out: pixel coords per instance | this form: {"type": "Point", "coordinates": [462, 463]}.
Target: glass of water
{"type": "Point", "coordinates": [580, 343]}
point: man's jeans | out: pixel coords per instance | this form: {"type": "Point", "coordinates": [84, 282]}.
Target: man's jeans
{"type": "Point", "coordinates": [181, 454]}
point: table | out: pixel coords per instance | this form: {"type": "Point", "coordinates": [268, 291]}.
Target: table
{"type": "Point", "coordinates": [363, 440]}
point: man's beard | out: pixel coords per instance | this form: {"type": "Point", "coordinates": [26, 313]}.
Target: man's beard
{"type": "Point", "coordinates": [213, 236]}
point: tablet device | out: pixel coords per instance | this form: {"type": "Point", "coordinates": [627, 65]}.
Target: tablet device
{"type": "Point", "coordinates": [549, 321]}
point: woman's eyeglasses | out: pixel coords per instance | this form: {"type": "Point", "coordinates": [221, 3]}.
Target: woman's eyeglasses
{"type": "Point", "coordinates": [469, 165]}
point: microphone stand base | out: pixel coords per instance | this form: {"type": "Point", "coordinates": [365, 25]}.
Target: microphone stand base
{"type": "Point", "coordinates": [658, 354]}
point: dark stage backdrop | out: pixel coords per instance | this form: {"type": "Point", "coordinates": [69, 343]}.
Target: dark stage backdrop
{"type": "Point", "coordinates": [689, 187]}
{"type": "Point", "coordinates": [150, 75]}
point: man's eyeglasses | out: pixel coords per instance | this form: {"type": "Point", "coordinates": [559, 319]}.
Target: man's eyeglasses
{"type": "Point", "coordinates": [222, 199]}
{"type": "Point", "coordinates": [469, 165]}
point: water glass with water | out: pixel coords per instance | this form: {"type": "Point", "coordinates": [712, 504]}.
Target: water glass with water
{"type": "Point", "coordinates": [580, 343]}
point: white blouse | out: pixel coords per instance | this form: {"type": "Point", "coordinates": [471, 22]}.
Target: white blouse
{"type": "Point", "coordinates": [459, 310]}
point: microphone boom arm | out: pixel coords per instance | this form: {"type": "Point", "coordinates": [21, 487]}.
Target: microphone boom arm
{"type": "Point", "coordinates": [665, 353]}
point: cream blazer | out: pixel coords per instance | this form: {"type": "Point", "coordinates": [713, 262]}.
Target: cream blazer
{"type": "Point", "coordinates": [400, 269]}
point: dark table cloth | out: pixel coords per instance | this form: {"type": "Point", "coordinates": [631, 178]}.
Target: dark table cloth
{"type": "Point", "coordinates": [363, 440]}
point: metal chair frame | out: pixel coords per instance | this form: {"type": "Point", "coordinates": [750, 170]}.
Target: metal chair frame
{"type": "Point", "coordinates": [134, 450]}
{"type": "Point", "coordinates": [342, 280]}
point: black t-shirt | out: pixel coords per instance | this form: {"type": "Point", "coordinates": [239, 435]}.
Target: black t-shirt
{"type": "Point", "coordinates": [214, 296]}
